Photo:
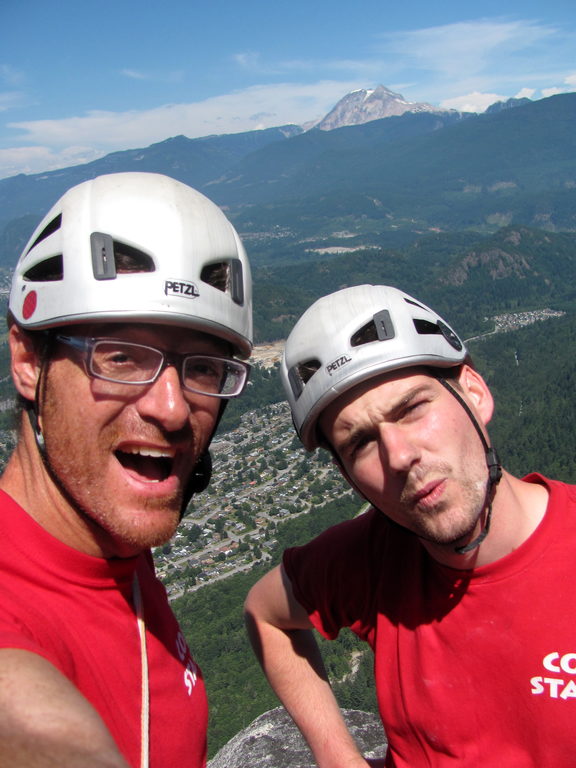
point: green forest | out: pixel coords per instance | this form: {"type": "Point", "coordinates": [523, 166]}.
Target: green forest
{"type": "Point", "coordinates": [466, 277]}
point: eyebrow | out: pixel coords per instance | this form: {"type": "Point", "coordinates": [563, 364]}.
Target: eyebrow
{"type": "Point", "coordinates": [406, 398]}
{"type": "Point", "coordinates": [117, 332]}
{"type": "Point", "coordinates": [393, 412]}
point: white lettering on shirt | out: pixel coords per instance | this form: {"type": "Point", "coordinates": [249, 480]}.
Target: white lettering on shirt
{"type": "Point", "coordinates": [556, 687]}
{"type": "Point", "coordinates": [191, 671]}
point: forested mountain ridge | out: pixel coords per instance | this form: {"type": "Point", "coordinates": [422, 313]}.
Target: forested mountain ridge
{"type": "Point", "coordinates": [411, 174]}
{"type": "Point", "coordinates": [193, 161]}
{"type": "Point", "coordinates": [516, 165]}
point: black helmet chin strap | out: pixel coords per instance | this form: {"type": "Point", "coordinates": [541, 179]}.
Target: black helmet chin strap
{"type": "Point", "coordinates": [33, 407]}
{"type": "Point", "coordinates": [33, 414]}
{"type": "Point", "coordinates": [202, 472]}
{"type": "Point", "coordinates": [39, 437]}
{"type": "Point", "coordinates": [494, 471]}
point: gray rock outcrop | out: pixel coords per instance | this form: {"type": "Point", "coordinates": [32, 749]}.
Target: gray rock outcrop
{"type": "Point", "coordinates": [273, 741]}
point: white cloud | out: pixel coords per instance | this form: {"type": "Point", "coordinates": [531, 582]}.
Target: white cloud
{"type": "Point", "coordinates": [57, 143]}
{"type": "Point", "coordinates": [247, 59]}
{"type": "Point", "coordinates": [568, 85]}
{"type": "Point", "coordinates": [472, 102]}
{"type": "Point", "coordinates": [464, 48]}
{"type": "Point", "coordinates": [10, 76]}
{"type": "Point", "coordinates": [525, 93]}
{"type": "Point", "coordinates": [34, 159]}
{"type": "Point", "coordinates": [157, 77]}
{"type": "Point", "coordinates": [11, 99]}
{"type": "Point", "coordinates": [233, 112]}
{"type": "Point", "coordinates": [133, 74]}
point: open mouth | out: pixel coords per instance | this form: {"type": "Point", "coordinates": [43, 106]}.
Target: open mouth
{"type": "Point", "coordinates": [147, 464]}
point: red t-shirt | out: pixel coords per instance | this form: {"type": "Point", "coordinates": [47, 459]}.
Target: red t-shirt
{"type": "Point", "coordinates": [472, 668]}
{"type": "Point", "coordinates": [77, 612]}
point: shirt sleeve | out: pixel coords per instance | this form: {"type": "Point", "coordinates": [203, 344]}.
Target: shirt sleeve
{"type": "Point", "coordinates": [332, 576]}
{"type": "Point", "coordinates": [27, 625]}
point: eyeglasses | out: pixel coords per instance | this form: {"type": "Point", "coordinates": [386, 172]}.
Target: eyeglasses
{"type": "Point", "coordinates": [124, 362]}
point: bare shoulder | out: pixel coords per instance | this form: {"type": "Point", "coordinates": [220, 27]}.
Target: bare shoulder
{"type": "Point", "coordinates": [272, 600]}
{"type": "Point", "coordinates": [45, 721]}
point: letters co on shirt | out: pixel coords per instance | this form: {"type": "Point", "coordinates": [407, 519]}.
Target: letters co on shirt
{"type": "Point", "coordinates": [563, 684]}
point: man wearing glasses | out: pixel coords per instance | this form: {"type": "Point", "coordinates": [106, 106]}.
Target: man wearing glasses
{"type": "Point", "coordinates": [129, 309]}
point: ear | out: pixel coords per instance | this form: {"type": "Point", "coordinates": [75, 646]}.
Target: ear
{"type": "Point", "coordinates": [477, 393]}
{"type": "Point", "coordinates": [25, 362]}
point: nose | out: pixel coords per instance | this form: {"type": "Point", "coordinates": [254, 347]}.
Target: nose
{"type": "Point", "coordinates": [164, 401]}
{"type": "Point", "coordinates": [398, 450]}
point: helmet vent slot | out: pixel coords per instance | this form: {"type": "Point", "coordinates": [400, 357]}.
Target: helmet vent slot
{"type": "Point", "coordinates": [308, 369]}
{"type": "Point", "coordinates": [299, 375]}
{"type": "Point", "coordinates": [129, 259]}
{"type": "Point", "coordinates": [414, 303]}
{"type": "Point", "coordinates": [48, 230]}
{"type": "Point", "coordinates": [46, 271]}
{"type": "Point", "coordinates": [111, 257]}
{"type": "Point", "coordinates": [216, 275]}
{"type": "Point", "coordinates": [225, 276]}
{"type": "Point", "coordinates": [380, 328]}
{"type": "Point", "coordinates": [425, 327]}
{"type": "Point", "coordinates": [364, 335]}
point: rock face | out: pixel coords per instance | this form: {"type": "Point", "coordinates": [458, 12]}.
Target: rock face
{"type": "Point", "coordinates": [362, 106]}
{"type": "Point", "coordinates": [273, 741]}
{"type": "Point", "coordinates": [498, 106]}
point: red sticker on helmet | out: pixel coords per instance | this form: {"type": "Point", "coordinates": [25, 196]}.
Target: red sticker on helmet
{"type": "Point", "coordinates": [29, 305]}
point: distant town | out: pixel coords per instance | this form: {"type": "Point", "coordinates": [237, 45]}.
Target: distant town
{"type": "Point", "coordinates": [262, 475]}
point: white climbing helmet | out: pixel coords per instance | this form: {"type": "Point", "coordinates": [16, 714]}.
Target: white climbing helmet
{"type": "Point", "coordinates": [136, 247]}
{"type": "Point", "coordinates": [352, 335]}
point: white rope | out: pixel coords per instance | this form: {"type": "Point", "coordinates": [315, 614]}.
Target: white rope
{"type": "Point", "coordinates": [145, 710]}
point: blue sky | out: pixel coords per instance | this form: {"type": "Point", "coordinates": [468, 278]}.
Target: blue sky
{"type": "Point", "coordinates": [81, 79]}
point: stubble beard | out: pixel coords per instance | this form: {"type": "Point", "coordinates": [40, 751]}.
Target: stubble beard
{"type": "Point", "coordinates": [134, 532]}
{"type": "Point", "coordinates": [451, 520]}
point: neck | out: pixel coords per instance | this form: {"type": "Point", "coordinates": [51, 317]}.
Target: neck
{"type": "Point", "coordinates": [517, 510]}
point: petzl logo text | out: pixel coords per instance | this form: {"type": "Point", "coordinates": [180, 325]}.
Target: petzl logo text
{"type": "Point", "coordinates": [181, 288]}
{"type": "Point", "coordinates": [338, 363]}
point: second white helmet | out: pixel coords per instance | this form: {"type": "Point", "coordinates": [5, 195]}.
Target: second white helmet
{"type": "Point", "coordinates": [353, 335]}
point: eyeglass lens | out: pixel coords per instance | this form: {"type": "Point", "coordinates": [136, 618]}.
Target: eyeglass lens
{"type": "Point", "coordinates": [135, 363]}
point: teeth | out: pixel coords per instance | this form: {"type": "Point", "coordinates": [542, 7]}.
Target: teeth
{"type": "Point", "coordinates": [154, 453]}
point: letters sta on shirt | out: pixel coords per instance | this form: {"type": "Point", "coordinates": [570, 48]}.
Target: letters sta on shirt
{"type": "Point", "coordinates": [556, 687]}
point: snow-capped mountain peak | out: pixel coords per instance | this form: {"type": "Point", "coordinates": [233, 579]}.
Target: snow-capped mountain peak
{"type": "Point", "coordinates": [364, 105]}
